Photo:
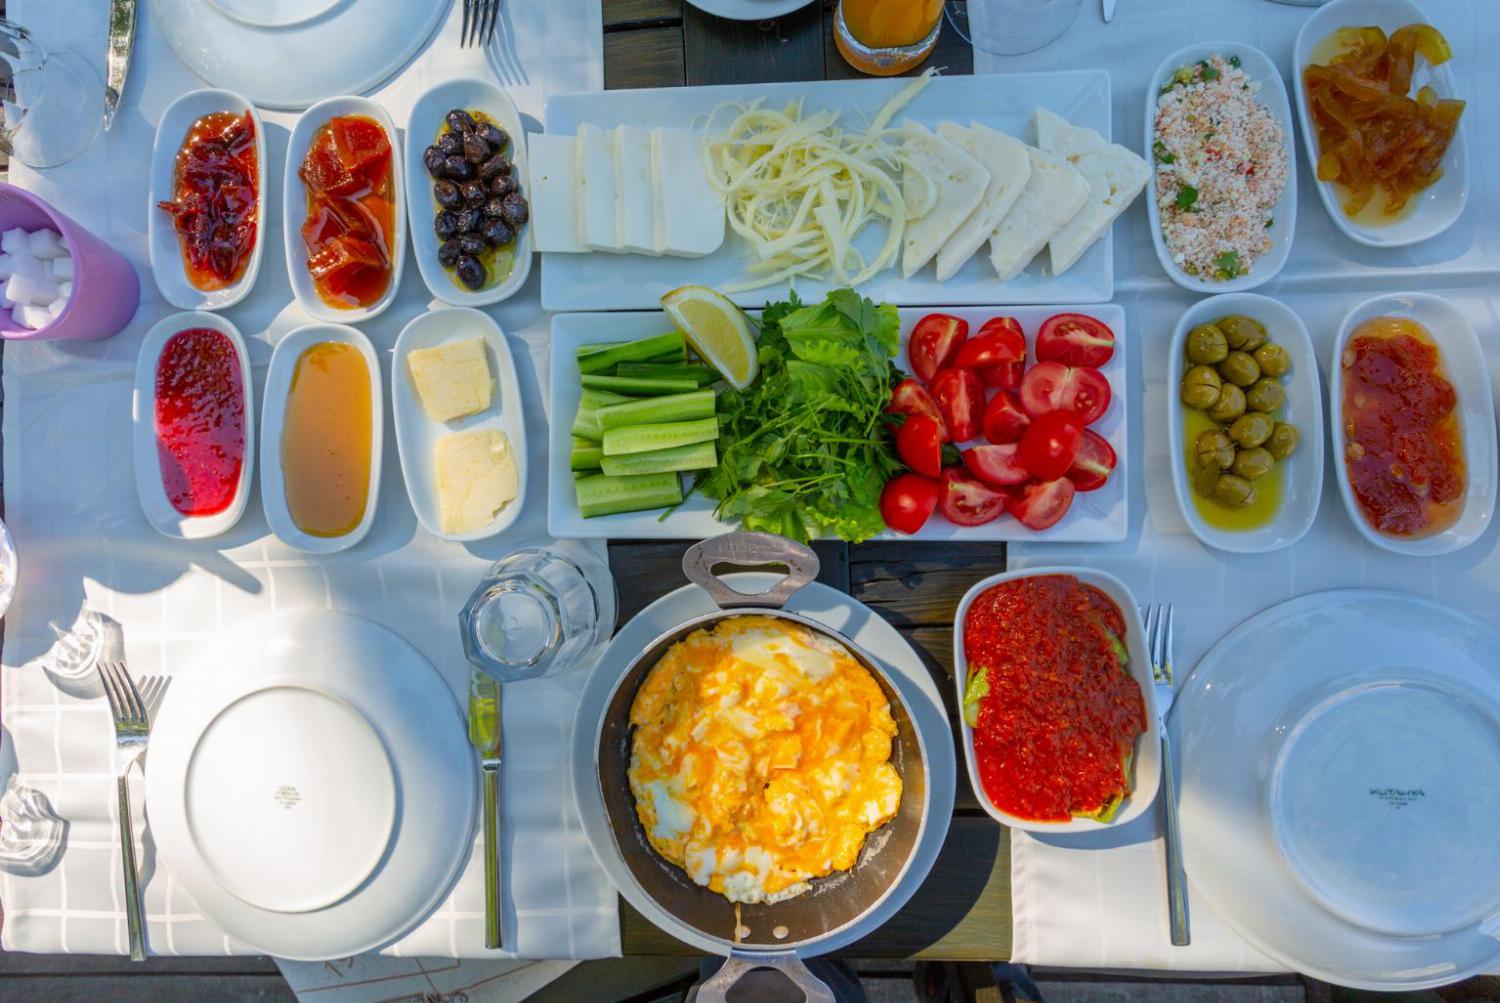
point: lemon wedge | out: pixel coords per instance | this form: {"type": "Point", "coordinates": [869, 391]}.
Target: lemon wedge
{"type": "Point", "coordinates": [718, 330]}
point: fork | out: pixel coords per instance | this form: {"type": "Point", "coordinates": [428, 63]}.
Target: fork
{"type": "Point", "coordinates": [1159, 642]}
{"type": "Point", "coordinates": [132, 728]}
{"type": "Point", "coordinates": [479, 22]}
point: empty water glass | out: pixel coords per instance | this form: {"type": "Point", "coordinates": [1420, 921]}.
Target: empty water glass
{"type": "Point", "coordinates": [1011, 27]}
{"type": "Point", "coordinates": [51, 103]}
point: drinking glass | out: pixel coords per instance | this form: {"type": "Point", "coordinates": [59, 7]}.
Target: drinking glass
{"type": "Point", "coordinates": [1011, 27]}
{"type": "Point", "coordinates": [544, 608]}
{"type": "Point", "coordinates": [886, 37]}
{"type": "Point", "coordinates": [52, 103]}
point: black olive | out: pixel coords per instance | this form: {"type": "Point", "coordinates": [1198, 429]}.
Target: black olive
{"type": "Point", "coordinates": [494, 208]}
{"type": "Point", "coordinates": [515, 211]}
{"type": "Point", "coordinates": [494, 167]}
{"type": "Point", "coordinates": [470, 272]}
{"type": "Point", "coordinates": [473, 192]}
{"type": "Point", "coordinates": [458, 169]}
{"type": "Point", "coordinates": [493, 135]}
{"type": "Point", "coordinates": [433, 160]}
{"type": "Point", "coordinates": [446, 193]}
{"type": "Point", "coordinates": [450, 143]}
{"type": "Point", "coordinates": [468, 220]}
{"type": "Point", "coordinates": [476, 150]}
{"type": "Point", "coordinates": [448, 253]}
{"type": "Point", "coordinates": [503, 185]}
{"type": "Point", "coordinates": [471, 243]}
{"type": "Point", "coordinates": [459, 120]}
{"type": "Point", "coordinates": [497, 232]}
{"type": "Point", "coordinates": [445, 224]}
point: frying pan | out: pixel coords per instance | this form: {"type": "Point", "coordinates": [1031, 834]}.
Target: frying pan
{"type": "Point", "coordinates": [772, 934]}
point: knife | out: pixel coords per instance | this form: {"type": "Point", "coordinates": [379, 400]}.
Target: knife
{"type": "Point", "coordinates": [484, 735]}
{"type": "Point", "coordinates": [117, 64]}
{"type": "Point", "coordinates": [1109, 9]}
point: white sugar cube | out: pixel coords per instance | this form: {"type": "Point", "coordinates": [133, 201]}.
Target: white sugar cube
{"type": "Point", "coordinates": [61, 268]}
{"type": "Point", "coordinates": [7, 265]}
{"type": "Point", "coordinates": [25, 264]}
{"type": "Point", "coordinates": [65, 289]}
{"type": "Point", "coordinates": [21, 289]}
{"type": "Point", "coordinates": [14, 241]}
{"type": "Point", "coordinates": [45, 243]}
{"type": "Point", "coordinates": [29, 315]}
{"type": "Point", "coordinates": [57, 306]}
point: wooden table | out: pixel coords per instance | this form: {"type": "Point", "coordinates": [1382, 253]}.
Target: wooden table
{"type": "Point", "coordinates": [962, 912]}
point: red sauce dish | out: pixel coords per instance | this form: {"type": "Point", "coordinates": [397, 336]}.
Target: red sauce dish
{"type": "Point", "coordinates": [215, 203]}
{"type": "Point", "coordinates": [1054, 701]}
{"type": "Point", "coordinates": [350, 231]}
{"type": "Point", "coordinates": [200, 421]}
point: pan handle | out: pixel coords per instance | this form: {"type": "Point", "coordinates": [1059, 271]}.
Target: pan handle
{"type": "Point", "coordinates": [748, 549]}
{"type": "Point", "coordinates": [716, 988]}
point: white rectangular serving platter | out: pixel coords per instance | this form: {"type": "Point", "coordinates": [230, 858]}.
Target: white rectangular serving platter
{"type": "Point", "coordinates": [1095, 517]}
{"type": "Point", "coordinates": [1007, 102]}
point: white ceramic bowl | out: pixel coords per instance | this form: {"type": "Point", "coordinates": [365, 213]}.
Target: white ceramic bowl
{"type": "Point", "coordinates": [1463, 363]}
{"type": "Point", "coordinates": [294, 208]}
{"type": "Point", "coordinates": [1284, 216]}
{"type": "Point", "coordinates": [273, 416]}
{"type": "Point", "coordinates": [9, 569]}
{"type": "Point", "coordinates": [165, 248]}
{"type": "Point", "coordinates": [421, 130]}
{"type": "Point", "coordinates": [1302, 473]}
{"type": "Point", "coordinates": [1441, 204]}
{"type": "Point", "coordinates": [417, 434]}
{"type": "Point", "coordinates": [1147, 766]}
{"type": "Point", "coordinates": [148, 483]}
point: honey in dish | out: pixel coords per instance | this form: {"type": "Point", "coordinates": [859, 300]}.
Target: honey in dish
{"type": "Point", "coordinates": [325, 440]}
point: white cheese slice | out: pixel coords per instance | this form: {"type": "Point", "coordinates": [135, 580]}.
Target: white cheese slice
{"type": "Point", "coordinates": [635, 194]}
{"type": "Point", "coordinates": [1115, 176]}
{"type": "Point", "coordinates": [960, 181]}
{"type": "Point", "coordinates": [476, 478]}
{"type": "Point", "coordinates": [596, 189]}
{"type": "Point", "coordinates": [554, 195]}
{"type": "Point", "coordinates": [1005, 158]}
{"type": "Point", "coordinates": [690, 211]}
{"type": "Point", "coordinates": [1053, 195]}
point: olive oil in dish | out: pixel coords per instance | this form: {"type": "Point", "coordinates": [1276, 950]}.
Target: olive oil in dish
{"type": "Point", "coordinates": [326, 440]}
{"type": "Point", "coordinates": [1259, 512]}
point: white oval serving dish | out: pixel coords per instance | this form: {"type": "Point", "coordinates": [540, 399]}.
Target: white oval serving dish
{"type": "Point", "coordinates": [417, 434]}
{"type": "Point", "coordinates": [1439, 205]}
{"type": "Point", "coordinates": [421, 129]}
{"type": "Point", "coordinates": [1147, 765]}
{"type": "Point", "coordinates": [273, 417]}
{"type": "Point", "coordinates": [1302, 473]}
{"type": "Point", "coordinates": [161, 234]}
{"type": "Point", "coordinates": [294, 208]}
{"type": "Point", "coordinates": [159, 510]}
{"type": "Point", "coordinates": [1273, 97]}
{"type": "Point", "coordinates": [1463, 363]}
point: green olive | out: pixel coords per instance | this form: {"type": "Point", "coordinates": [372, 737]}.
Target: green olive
{"type": "Point", "coordinates": [1233, 491]}
{"type": "Point", "coordinates": [1283, 440]}
{"type": "Point", "coordinates": [1251, 429]}
{"type": "Point", "coordinates": [1239, 368]}
{"type": "Point", "coordinates": [1253, 463]}
{"type": "Point", "coordinates": [1200, 387]}
{"type": "Point", "coordinates": [1206, 345]}
{"type": "Point", "coordinates": [1272, 359]}
{"type": "Point", "coordinates": [1229, 406]}
{"type": "Point", "coordinates": [1214, 448]}
{"type": "Point", "coordinates": [1206, 478]}
{"type": "Point", "coordinates": [1244, 334]}
{"type": "Point", "coordinates": [1265, 394]}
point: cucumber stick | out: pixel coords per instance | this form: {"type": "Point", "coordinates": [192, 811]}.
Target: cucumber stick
{"type": "Point", "coordinates": [670, 370]}
{"type": "Point", "coordinates": [642, 386]}
{"type": "Point", "coordinates": [653, 410]}
{"type": "Point", "coordinates": [698, 456]}
{"type": "Point", "coordinates": [585, 455]}
{"type": "Point", "coordinates": [646, 438]}
{"type": "Point", "coordinates": [669, 347]}
{"type": "Point", "coordinates": [599, 494]}
{"type": "Point", "coordinates": [586, 421]}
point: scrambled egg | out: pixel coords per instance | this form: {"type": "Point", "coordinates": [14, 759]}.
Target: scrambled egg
{"type": "Point", "coordinates": [761, 757]}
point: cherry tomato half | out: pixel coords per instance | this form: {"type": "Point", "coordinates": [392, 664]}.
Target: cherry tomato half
{"type": "Point", "coordinates": [908, 501]}
{"type": "Point", "coordinates": [968, 501]}
{"type": "Point", "coordinates": [910, 397]}
{"type": "Point", "coordinates": [1075, 339]}
{"type": "Point", "coordinates": [1052, 386]}
{"type": "Point", "coordinates": [934, 342]}
{"type": "Point", "coordinates": [960, 398]}
{"type": "Point", "coordinates": [1040, 504]}
{"type": "Point", "coordinates": [1004, 418]}
{"type": "Point", "coordinates": [998, 466]}
{"type": "Point", "coordinates": [1050, 443]}
{"type": "Point", "coordinates": [919, 443]}
{"type": "Point", "coordinates": [1094, 463]}
{"type": "Point", "coordinates": [996, 345]}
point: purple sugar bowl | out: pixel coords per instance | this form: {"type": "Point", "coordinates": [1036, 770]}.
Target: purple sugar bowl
{"type": "Point", "coordinates": [105, 288]}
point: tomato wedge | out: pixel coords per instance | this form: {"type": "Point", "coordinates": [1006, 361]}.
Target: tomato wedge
{"type": "Point", "coordinates": [967, 501]}
{"type": "Point", "coordinates": [1052, 386]}
{"type": "Point", "coordinates": [1040, 504]}
{"type": "Point", "coordinates": [993, 346]}
{"type": "Point", "coordinates": [998, 466]}
{"type": "Point", "coordinates": [919, 443]}
{"type": "Point", "coordinates": [960, 398]}
{"type": "Point", "coordinates": [934, 341]}
{"type": "Point", "coordinates": [1050, 444]}
{"type": "Point", "coordinates": [1007, 377]}
{"type": "Point", "coordinates": [910, 397]}
{"type": "Point", "coordinates": [1075, 339]}
{"type": "Point", "coordinates": [1094, 463]}
{"type": "Point", "coordinates": [1004, 419]}
{"type": "Point", "coordinates": [908, 501]}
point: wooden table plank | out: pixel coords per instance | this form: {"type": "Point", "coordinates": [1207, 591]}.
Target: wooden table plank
{"type": "Point", "coordinates": [625, 14]}
{"type": "Point", "coordinates": [719, 51]}
{"type": "Point", "coordinates": [644, 57]}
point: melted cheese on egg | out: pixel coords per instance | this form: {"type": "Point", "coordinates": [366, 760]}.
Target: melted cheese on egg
{"type": "Point", "coordinates": [760, 758]}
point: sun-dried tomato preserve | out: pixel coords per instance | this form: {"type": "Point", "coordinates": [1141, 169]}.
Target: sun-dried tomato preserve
{"type": "Point", "coordinates": [1055, 711]}
{"type": "Point", "coordinates": [351, 216]}
{"type": "Point", "coordinates": [1403, 448]}
{"type": "Point", "coordinates": [216, 199]}
{"type": "Point", "coordinates": [200, 420]}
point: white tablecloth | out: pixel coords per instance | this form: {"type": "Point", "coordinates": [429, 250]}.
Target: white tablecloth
{"type": "Point", "coordinates": [70, 501]}
{"type": "Point", "coordinates": [1104, 905]}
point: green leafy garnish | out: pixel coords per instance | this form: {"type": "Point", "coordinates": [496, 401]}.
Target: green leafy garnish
{"type": "Point", "coordinates": [975, 690]}
{"type": "Point", "coordinates": [804, 450]}
{"type": "Point", "coordinates": [1228, 264]}
{"type": "Point", "coordinates": [1160, 151]}
{"type": "Point", "coordinates": [1187, 195]}
{"type": "Point", "coordinates": [1234, 61]}
{"type": "Point", "coordinates": [1207, 71]}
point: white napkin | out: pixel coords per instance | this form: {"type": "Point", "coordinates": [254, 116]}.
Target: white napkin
{"type": "Point", "coordinates": [71, 504]}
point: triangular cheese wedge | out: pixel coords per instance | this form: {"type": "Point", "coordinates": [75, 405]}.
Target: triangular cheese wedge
{"type": "Point", "coordinates": [1005, 158]}
{"type": "Point", "coordinates": [1053, 195]}
{"type": "Point", "coordinates": [960, 181]}
{"type": "Point", "coordinates": [1115, 176]}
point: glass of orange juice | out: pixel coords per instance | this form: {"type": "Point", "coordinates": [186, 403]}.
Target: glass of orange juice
{"type": "Point", "coordinates": [885, 37]}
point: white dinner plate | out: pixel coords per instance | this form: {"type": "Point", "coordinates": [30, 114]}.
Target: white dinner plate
{"type": "Point", "coordinates": [862, 625]}
{"type": "Point", "coordinates": [1095, 517]}
{"type": "Point", "coordinates": [289, 53]}
{"type": "Point", "coordinates": [310, 784]}
{"type": "Point", "coordinates": [1340, 770]}
{"type": "Point", "coordinates": [749, 10]}
{"type": "Point", "coordinates": [1006, 102]}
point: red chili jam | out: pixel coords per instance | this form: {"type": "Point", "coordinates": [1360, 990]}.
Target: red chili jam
{"type": "Point", "coordinates": [215, 199]}
{"type": "Point", "coordinates": [200, 420]}
{"type": "Point", "coordinates": [1057, 711]}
